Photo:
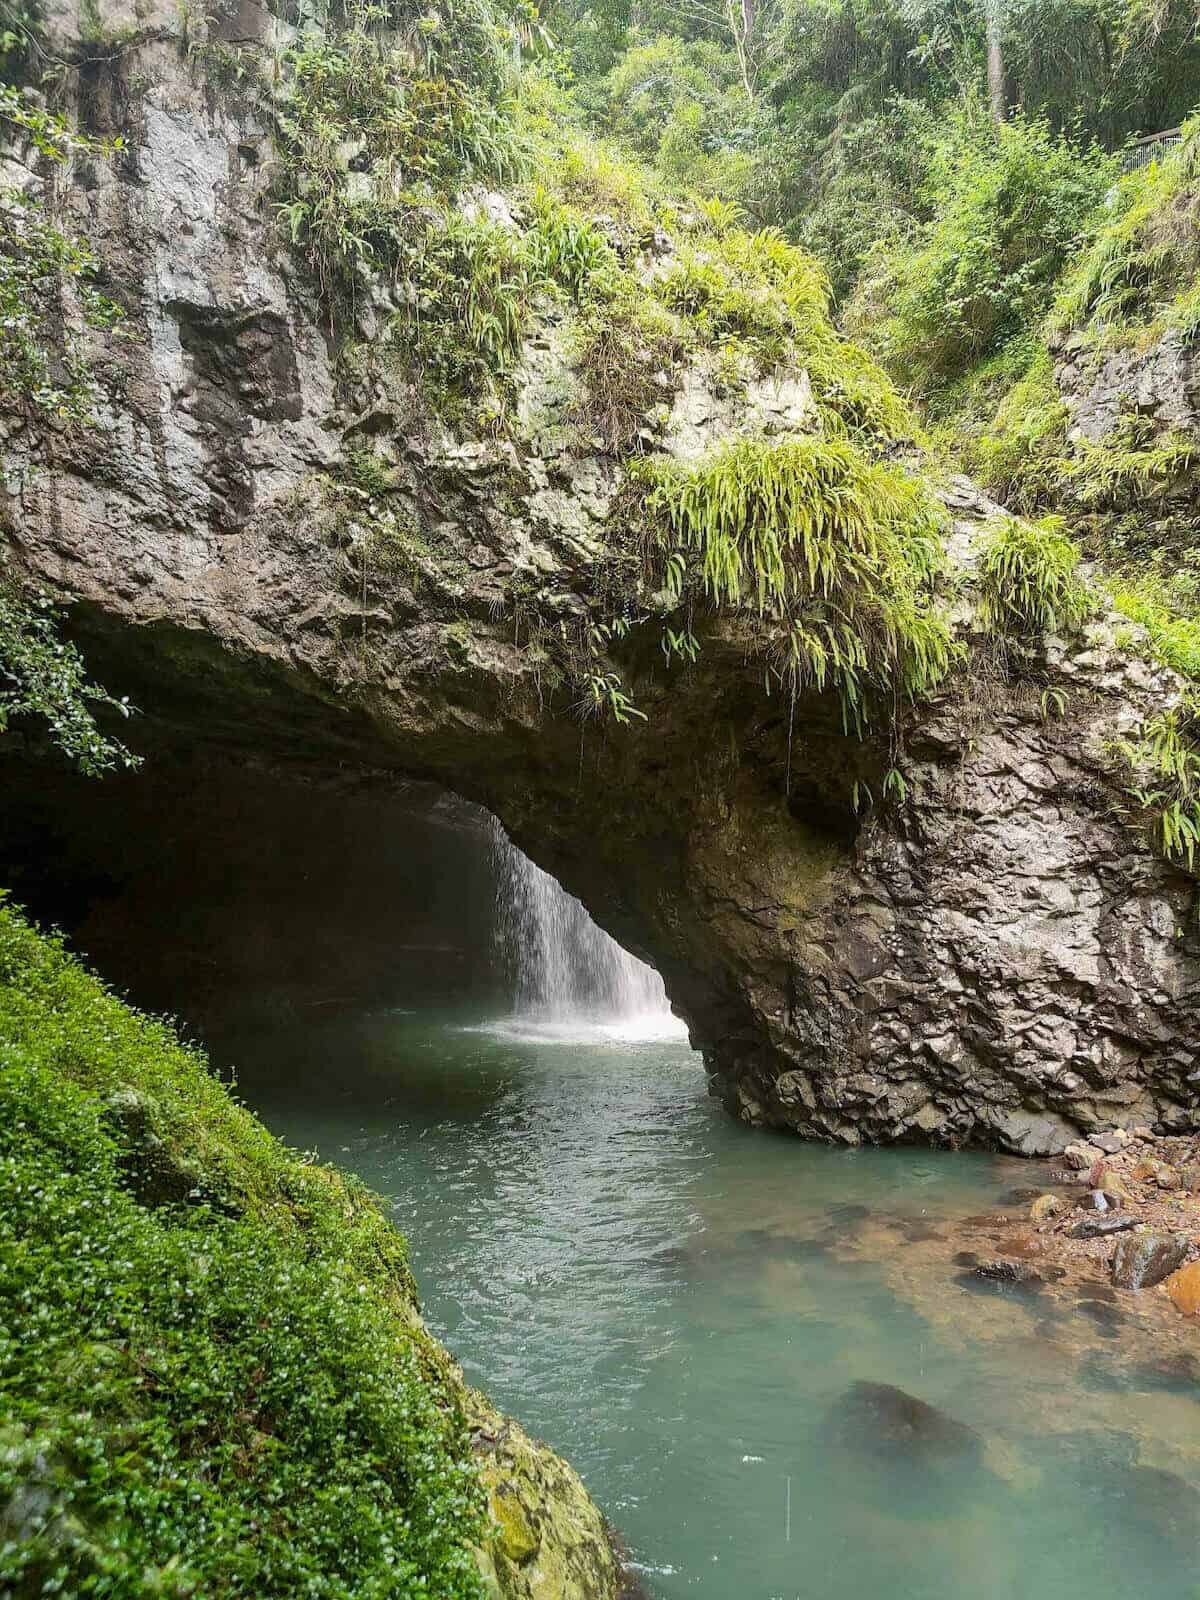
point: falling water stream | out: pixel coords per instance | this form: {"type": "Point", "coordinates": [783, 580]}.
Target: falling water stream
{"type": "Point", "coordinates": [567, 976]}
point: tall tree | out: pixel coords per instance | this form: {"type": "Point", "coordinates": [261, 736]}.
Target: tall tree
{"type": "Point", "coordinates": [997, 89]}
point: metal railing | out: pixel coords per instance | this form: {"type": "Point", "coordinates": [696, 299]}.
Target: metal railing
{"type": "Point", "coordinates": [1151, 147]}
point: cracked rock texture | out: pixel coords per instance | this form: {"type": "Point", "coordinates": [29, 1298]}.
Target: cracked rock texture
{"type": "Point", "coordinates": [1161, 383]}
{"type": "Point", "coordinates": [999, 959]}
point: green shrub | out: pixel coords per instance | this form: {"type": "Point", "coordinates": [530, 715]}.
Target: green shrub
{"type": "Point", "coordinates": [681, 105]}
{"type": "Point", "coordinates": [1147, 253]}
{"type": "Point", "coordinates": [770, 298]}
{"type": "Point", "coordinates": [1029, 579]}
{"type": "Point", "coordinates": [1010, 206]}
{"type": "Point", "coordinates": [566, 247]}
{"type": "Point", "coordinates": [212, 1381]}
{"type": "Point", "coordinates": [828, 556]}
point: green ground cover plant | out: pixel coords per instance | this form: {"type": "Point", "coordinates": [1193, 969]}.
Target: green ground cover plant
{"type": "Point", "coordinates": [212, 1381]}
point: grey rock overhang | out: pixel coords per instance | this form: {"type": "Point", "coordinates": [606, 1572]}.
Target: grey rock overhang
{"type": "Point", "coordinates": [999, 960]}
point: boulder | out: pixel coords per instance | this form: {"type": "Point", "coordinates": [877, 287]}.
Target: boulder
{"type": "Point", "coordinates": [1167, 1177]}
{"type": "Point", "coordinates": [879, 1420]}
{"type": "Point", "coordinates": [1101, 1227]}
{"type": "Point", "coordinates": [1184, 1288]}
{"type": "Point", "coordinates": [1145, 1257]}
{"type": "Point", "coordinates": [1081, 1156]}
{"type": "Point", "coordinates": [1046, 1206]}
{"type": "Point", "coordinates": [1115, 1190]}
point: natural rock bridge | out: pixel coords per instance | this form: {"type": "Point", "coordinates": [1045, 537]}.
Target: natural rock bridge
{"type": "Point", "coordinates": [996, 959]}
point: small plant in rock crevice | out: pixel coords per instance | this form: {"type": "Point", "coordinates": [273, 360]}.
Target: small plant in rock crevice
{"type": "Point", "coordinates": [1163, 789]}
{"type": "Point", "coordinates": [1029, 578]}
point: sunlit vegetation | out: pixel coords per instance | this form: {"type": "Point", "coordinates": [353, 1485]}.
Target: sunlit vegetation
{"type": "Point", "coordinates": [1142, 264]}
{"type": "Point", "coordinates": [1029, 577]}
{"type": "Point", "coordinates": [1009, 205]}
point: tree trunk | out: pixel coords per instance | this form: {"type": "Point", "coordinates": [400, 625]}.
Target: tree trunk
{"type": "Point", "coordinates": [997, 96]}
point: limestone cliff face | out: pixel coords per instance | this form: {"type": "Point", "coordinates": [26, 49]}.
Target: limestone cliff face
{"type": "Point", "coordinates": [997, 959]}
{"type": "Point", "coordinates": [1160, 383]}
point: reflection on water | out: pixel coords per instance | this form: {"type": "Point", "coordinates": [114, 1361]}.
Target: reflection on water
{"type": "Point", "coordinates": [762, 1355]}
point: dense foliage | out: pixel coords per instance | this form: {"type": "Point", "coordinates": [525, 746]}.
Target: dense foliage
{"type": "Point", "coordinates": [1009, 206]}
{"type": "Point", "coordinates": [818, 115]}
{"type": "Point", "coordinates": [48, 300]}
{"type": "Point", "coordinates": [832, 556]}
{"type": "Point", "coordinates": [211, 1381]}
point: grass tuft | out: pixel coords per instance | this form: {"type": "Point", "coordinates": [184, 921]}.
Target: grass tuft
{"type": "Point", "coordinates": [1029, 578]}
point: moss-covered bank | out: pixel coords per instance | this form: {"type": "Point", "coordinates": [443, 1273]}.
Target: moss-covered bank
{"type": "Point", "coordinates": [214, 1379]}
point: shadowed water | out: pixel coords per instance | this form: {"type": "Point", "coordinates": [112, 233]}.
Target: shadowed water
{"type": "Point", "coordinates": [712, 1324]}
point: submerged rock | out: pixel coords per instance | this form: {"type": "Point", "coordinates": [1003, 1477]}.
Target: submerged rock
{"type": "Point", "coordinates": [879, 1420]}
{"type": "Point", "coordinates": [1145, 1258]}
{"type": "Point", "coordinates": [1004, 1271]}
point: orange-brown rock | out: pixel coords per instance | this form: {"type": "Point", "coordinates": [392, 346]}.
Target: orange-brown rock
{"type": "Point", "coordinates": [1184, 1288]}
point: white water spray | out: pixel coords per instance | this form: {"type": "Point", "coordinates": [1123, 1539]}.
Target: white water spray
{"type": "Point", "coordinates": [567, 975]}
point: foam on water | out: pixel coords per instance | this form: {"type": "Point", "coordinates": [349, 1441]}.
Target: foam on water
{"type": "Point", "coordinates": [646, 1027]}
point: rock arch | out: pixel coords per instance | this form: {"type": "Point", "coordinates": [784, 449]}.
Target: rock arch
{"type": "Point", "coordinates": [997, 960]}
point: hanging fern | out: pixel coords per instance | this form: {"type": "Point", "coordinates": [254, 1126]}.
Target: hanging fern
{"type": "Point", "coordinates": [1030, 580]}
{"type": "Point", "coordinates": [832, 556]}
{"type": "Point", "coordinates": [1164, 793]}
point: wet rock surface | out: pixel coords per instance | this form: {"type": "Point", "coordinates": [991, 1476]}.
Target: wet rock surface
{"type": "Point", "coordinates": [999, 961]}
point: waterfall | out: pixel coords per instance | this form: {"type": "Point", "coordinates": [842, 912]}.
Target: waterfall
{"type": "Point", "coordinates": [563, 970]}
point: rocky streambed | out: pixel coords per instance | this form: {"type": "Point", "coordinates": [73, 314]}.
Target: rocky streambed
{"type": "Point", "coordinates": [1121, 1210]}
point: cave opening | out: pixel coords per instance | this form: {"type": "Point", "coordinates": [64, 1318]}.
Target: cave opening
{"type": "Point", "coordinates": [221, 884]}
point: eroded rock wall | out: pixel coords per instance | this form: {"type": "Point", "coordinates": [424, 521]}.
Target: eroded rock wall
{"type": "Point", "coordinates": [996, 959]}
